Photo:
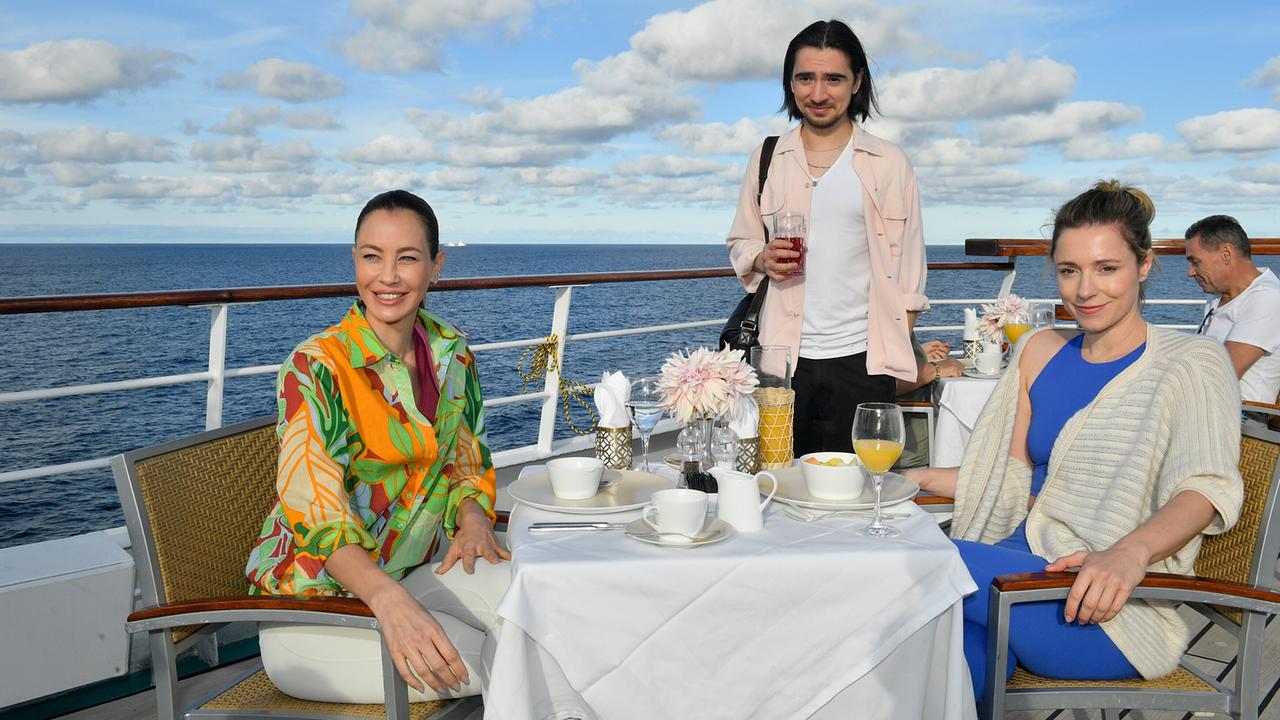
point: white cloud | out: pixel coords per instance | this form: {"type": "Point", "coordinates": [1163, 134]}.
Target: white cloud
{"type": "Point", "coordinates": [1104, 147]}
{"type": "Point", "coordinates": [454, 178]}
{"type": "Point", "coordinates": [561, 177]}
{"type": "Point", "coordinates": [717, 138]}
{"type": "Point", "coordinates": [964, 152]}
{"type": "Point", "coordinates": [250, 155]}
{"type": "Point", "coordinates": [669, 166]}
{"type": "Point", "coordinates": [1000, 87]}
{"type": "Point", "coordinates": [85, 144]}
{"type": "Point", "coordinates": [151, 188]}
{"type": "Point", "coordinates": [390, 150]}
{"type": "Point", "coordinates": [532, 154]}
{"type": "Point", "coordinates": [285, 80]}
{"type": "Point", "coordinates": [80, 70]}
{"type": "Point", "coordinates": [406, 36]}
{"type": "Point", "coordinates": [74, 174]}
{"type": "Point", "coordinates": [1064, 122]}
{"type": "Point", "coordinates": [651, 192]}
{"type": "Point", "coordinates": [725, 40]}
{"type": "Point", "coordinates": [310, 120]}
{"type": "Point", "coordinates": [12, 186]}
{"type": "Point", "coordinates": [246, 120]}
{"type": "Point", "coordinates": [1268, 173]}
{"type": "Point", "coordinates": [1267, 76]}
{"type": "Point", "coordinates": [1247, 130]}
{"type": "Point", "coordinates": [279, 185]}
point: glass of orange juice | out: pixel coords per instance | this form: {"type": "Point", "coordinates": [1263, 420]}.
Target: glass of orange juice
{"type": "Point", "coordinates": [878, 435]}
{"type": "Point", "coordinates": [1016, 325]}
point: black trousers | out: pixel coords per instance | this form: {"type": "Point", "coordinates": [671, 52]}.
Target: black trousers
{"type": "Point", "coordinates": [827, 393]}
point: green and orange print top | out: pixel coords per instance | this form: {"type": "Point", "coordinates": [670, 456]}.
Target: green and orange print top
{"type": "Point", "coordinates": [359, 464]}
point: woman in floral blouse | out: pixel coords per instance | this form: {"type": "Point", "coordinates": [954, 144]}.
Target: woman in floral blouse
{"type": "Point", "coordinates": [382, 443]}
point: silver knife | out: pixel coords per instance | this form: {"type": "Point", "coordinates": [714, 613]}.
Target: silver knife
{"type": "Point", "coordinates": [571, 526]}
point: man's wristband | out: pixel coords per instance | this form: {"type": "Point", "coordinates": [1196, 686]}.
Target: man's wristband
{"type": "Point", "coordinates": [937, 373]}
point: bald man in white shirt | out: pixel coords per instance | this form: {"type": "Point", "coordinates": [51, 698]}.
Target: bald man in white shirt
{"type": "Point", "coordinates": [1245, 314]}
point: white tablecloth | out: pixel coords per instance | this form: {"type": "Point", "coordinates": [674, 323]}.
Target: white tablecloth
{"type": "Point", "coordinates": [959, 402]}
{"type": "Point", "coordinates": [773, 624]}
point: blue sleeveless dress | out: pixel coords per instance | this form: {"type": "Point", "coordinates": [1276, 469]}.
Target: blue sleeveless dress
{"type": "Point", "coordinates": [1039, 639]}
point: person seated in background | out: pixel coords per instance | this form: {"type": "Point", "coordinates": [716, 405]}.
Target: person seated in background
{"type": "Point", "coordinates": [1142, 424]}
{"type": "Point", "coordinates": [382, 445]}
{"type": "Point", "coordinates": [1245, 314]}
{"type": "Point", "coordinates": [933, 363]}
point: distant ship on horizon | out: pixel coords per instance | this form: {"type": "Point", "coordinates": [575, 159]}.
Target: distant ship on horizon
{"type": "Point", "coordinates": [455, 244]}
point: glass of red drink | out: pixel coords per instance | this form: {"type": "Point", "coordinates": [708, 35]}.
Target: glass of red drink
{"type": "Point", "coordinates": [791, 227]}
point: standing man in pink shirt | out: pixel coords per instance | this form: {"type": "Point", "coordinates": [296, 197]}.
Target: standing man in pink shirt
{"type": "Point", "coordinates": [847, 313]}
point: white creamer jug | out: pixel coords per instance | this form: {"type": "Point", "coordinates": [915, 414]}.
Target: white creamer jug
{"type": "Point", "coordinates": [739, 498]}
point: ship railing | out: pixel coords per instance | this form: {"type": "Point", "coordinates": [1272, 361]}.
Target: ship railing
{"type": "Point", "coordinates": [219, 301]}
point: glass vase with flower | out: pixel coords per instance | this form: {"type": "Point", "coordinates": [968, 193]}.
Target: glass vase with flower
{"type": "Point", "coordinates": [702, 385]}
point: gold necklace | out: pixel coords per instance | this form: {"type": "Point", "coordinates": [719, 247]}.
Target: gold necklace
{"type": "Point", "coordinates": [838, 147]}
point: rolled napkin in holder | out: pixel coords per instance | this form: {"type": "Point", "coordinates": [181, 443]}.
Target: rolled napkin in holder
{"type": "Point", "coordinates": [972, 340]}
{"type": "Point", "coordinates": [611, 400]}
{"type": "Point", "coordinates": [744, 419]}
{"type": "Point", "coordinates": [613, 431]}
{"type": "Point", "coordinates": [971, 324]}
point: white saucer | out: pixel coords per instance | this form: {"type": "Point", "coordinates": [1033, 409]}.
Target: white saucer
{"type": "Point", "coordinates": [792, 491]}
{"type": "Point", "coordinates": [713, 531]}
{"type": "Point", "coordinates": [619, 490]}
{"type": "Point", "coordinates": [973, 373]}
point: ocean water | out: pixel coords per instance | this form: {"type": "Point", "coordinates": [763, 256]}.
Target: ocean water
{"type": "Point", "coordinates": [57, 349]}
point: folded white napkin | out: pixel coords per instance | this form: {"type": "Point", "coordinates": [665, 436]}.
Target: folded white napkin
{"type": "Point", "coordinates": [970, 324]}
{"type": "Point", "coordinates": [744, 417]}
{"type": "Point", "coordinates": [611, 400]}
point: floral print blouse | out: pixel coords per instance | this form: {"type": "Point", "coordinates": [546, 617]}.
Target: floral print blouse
{"type": "Point", "coordinates": [360, 464]}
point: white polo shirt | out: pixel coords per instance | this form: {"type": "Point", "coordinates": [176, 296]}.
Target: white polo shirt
{"type": "Point", "coordinates": [1252, 318]}
{"type": "Point", "coordinates": [837, 267]}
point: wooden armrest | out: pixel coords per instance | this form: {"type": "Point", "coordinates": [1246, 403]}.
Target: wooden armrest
{"type": "Point", "coordinates": [924, 499]}
{"type": "Point", "coordinates": [1163, 585]}
{"type": "Point", "coordinates": [914, 404]}
{"type": "Point", "coordinates": [503, 518]}
{"type": "Point", "coordinates": [330, 605]}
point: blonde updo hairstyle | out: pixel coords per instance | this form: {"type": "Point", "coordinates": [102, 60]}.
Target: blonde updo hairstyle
{"type": "Point", "coordinates": [1124, 207]}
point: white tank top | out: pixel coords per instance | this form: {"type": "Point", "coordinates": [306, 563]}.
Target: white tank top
{"type": "Point", "coordinates": [837, 270]}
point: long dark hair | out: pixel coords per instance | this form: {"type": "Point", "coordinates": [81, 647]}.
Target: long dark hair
{"type": "Point", "coordinates": [831, 34]}
{"type": "Point", "coordinates": [405, 200]}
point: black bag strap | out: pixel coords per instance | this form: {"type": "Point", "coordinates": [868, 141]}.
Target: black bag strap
{"type": "Point", "coordinates": [751, 320]}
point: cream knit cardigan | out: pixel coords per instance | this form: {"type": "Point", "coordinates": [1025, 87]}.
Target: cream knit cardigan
{"type": "Point", "coordinates": [1167, 423]}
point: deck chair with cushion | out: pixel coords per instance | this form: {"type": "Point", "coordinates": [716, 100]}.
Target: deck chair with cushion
{"type": "Point", "coordinates": [194, 507]}
{"type": "Point", "coordinates": [1232, 589]}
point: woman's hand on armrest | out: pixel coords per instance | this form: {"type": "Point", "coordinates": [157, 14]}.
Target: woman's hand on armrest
{"type": "Point", "coordinates": [938, 481]}
{"type": "Point", "coordinates": [1107, 578]}
{"type": "Point", "coordinates": [475, 538]}
{"type": "Point", "coordinates": [418, 645]}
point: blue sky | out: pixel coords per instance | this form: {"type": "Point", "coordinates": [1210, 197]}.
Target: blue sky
{"type": "Point", "coordinates": [574, 121]}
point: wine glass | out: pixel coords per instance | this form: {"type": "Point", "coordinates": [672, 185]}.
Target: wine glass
{"type": "Point", "coordinates": [646, 409]}
{"type": "Point", "coordinates": [1016, 325]}
{"type": "Point", "coordinates": [878, 434]}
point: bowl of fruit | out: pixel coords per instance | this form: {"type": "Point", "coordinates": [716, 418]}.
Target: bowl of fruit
{"type": "Point", "coordinates": [832, 475]}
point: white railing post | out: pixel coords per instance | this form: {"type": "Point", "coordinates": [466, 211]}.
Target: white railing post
{"type": "Point", "coordinates": [217, 367]}
{"type": "Point", "coordinates": [559, 328]}
{"type": "Point", "coordinates": [1006, 285]}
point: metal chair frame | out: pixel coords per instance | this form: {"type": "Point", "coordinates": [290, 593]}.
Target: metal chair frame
{"type": "Point", "coordinates": [1255, 599]}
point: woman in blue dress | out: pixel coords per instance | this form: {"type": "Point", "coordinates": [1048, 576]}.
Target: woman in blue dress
{"type": "Point", "coordinates": [1110, 449]}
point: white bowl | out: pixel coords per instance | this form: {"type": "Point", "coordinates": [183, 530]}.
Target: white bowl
{"type": "Point", "coordinates": [841, 482]}
{"type": "Point", "coordinates": [575, 478]}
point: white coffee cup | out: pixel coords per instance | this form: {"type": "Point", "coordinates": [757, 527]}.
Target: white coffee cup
{"type": "Point", "coordinates": [575, 478]}
{"type": "Point", "coordinates": [988, 362]}
{"type": "Point", "coordinates": [678, 511]}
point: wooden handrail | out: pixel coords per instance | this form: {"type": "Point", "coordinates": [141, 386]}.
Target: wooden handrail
{"type": "Point", "coordinates": [1023, 247]}
{"type": "Point", "coordinates": [112, 301]}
